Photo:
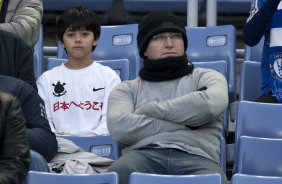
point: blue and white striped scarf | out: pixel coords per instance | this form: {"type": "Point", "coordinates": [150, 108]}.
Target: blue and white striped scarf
{"type": "Point", "coordinates": [272, 68]}
{"type": "Point", "coordinates": [275, 55]}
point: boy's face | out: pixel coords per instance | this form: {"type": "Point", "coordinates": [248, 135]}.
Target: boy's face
{"type": "Point", "coordinates": [79, 43]}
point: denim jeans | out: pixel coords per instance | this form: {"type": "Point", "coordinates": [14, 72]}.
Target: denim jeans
{"type": "Point", "coordinates": [38, 163]}
{"type": "Point", "coordinates": [164, 161]}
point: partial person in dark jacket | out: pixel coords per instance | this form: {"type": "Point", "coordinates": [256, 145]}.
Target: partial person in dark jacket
{"type": "Point", "coordinates": [16, 58]}
{"type": "Point", "coordinates": [39, 134]}
{"type": "Point", "coordinates": [14, 149]}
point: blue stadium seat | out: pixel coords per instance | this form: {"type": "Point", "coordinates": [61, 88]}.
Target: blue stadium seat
{"type": "Point", "coordinates": [255, 179]}
{"type": "Point", "coordinates": [259, 156]}
{"type": "Point", "coordinates": [257, 120]}
{"type": "Point", "coordinates": [220, 66]}
{"type": "Point", "coordinates": [100, 145]}
{"type": "Point", "coordinates": [254, 53]}
{"type": "Point", "coordinates": [38, 55]}
{"type": "Point", "coordinates": [142, 6]}
{"type": "Point", "coordinates": [250, 82]}
{"type": "Point", "coordinates": [95, 5]}
{"type": "Point", "coordinates": [214, 43]}
{"type": "Point", "coordinates": [53, 62]}
{"type": "Point", "coordinates": [34, 177]}
{"type": "Point", "coordinates": [233, 6]}
{"type": "Point", "coordinates": [145, 178]}
{"type": "Point", "coordinates": [251, 72]}
{"type": "Point", "coordinates": [116, 42]}
{"type": "Point", "coordinates": [121, 66]}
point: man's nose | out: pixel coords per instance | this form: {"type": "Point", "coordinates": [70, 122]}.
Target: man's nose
{"type": "Point", "coordinates": [168, 41]}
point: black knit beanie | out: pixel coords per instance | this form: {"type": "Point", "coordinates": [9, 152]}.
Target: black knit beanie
{"type": "Point", "coordinates": [155, 23]}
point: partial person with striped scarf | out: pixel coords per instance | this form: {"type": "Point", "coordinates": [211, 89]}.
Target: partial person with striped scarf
{"type": "Point", "coordinates": [265, 20]}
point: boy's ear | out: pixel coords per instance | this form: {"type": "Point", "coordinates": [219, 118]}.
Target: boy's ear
{"type": "Point", "coordinates": [62, 44]}
{"type": "Point", "coordinates": [95, 42]}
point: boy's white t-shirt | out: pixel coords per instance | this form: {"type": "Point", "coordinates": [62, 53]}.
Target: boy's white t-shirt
{"type": "Point", "coordinates": [76, 100]}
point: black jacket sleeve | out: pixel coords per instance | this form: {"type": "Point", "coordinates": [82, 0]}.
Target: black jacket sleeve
{"type": "Point", "coordinates": [25, 66]}
{"type": "Point", "coordinates": [16, 58]}
{"type": "Point", "coordinates": [14, 149]}
{"type": "Point", "coordinates": [40, 137]}
{"type": "Point", "coordinates": [260, 23]}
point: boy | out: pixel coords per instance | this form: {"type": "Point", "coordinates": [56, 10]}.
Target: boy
{"type": "Point", "coordinates": [76, 93]}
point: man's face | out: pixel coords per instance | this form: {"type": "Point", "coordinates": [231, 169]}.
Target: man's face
{"type": "Point", "coordinates": [163, 45]}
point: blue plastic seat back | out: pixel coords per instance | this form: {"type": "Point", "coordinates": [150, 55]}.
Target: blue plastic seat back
{"type": "Point", "coordinates": [259, 156]}
{"type": "Point", "coordinates": [120, 66]}
{"type": "Point", "coordinates": [145, 178]}
{"type": "Point", "coordinates": [254, 53]}
{"type": "Point", "coordinates": [142, 6]}
{"type": "Point", "coordinates": [116, 42]}
{"type": "Point", "coordinates": [220, 66]}
{"type": "Point", "coordinates": [100, 145]}
{"type": "Point", "coordinates": [95, 5]}
{"type": "Point", "coordinates": [34, 177]}
{"type": "Point", "coordinates": [250, 80]}
{"type": "Point", "coordinates": [54, 62]}
{"type": "Point", "coordinates": [38, 55]}
{"type": "Point", "coordinates": [214, 43]}
{"type": "Point", "coordinates": [255, 179]}
{"type": "Point", "coordinates": [257, 120]}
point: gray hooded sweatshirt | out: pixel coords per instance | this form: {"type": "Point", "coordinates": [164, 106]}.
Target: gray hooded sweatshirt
{"type": "Point", "coordinates": [170, 114]}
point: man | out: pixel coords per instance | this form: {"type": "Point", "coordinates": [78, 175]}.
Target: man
{"type": "Point", "coordinates": [168, 120]}
{"type": "Point", "coordinates": [40, 137]}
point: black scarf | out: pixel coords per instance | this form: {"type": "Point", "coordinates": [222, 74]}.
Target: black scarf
{"type": "Point", "coordinates": [3, 11]}
{"type": "Point", "coordinates": [166, 69]}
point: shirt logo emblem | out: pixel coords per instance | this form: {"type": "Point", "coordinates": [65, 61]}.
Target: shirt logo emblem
{"type": "Point", "coordinates": [59, 89]}
{"type": "Point", "coordinates": [97, 89]}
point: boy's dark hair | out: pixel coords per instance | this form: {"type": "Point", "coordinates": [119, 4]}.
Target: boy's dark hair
{"type": "Point", "coordinates": [77, 17]}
